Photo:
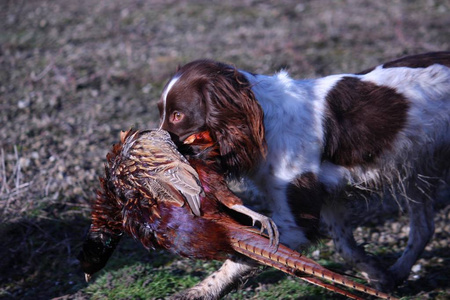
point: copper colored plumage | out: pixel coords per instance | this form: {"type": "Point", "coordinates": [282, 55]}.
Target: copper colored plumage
{"type": "Point", "coordinates": [154, 194]}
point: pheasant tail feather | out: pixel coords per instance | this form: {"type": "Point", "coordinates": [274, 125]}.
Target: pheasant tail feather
{"type": "Point", "coordinates": [289, 261]}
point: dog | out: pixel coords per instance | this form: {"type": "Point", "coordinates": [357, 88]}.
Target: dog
{"type": "Point", "coordinates": [314, 147]}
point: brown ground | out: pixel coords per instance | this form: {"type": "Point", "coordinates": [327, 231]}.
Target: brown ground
{"type": "Point", "coordinates": [75, 73]}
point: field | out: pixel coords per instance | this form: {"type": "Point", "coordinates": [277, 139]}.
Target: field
{"type": "Point", "coordinates": [73, 74]}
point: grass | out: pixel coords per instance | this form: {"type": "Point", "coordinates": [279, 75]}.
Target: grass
{"type": "Point", "coordinates": [74, 74]}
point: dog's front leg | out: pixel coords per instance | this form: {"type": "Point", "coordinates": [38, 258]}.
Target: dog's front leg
{"type": "Point", "coordinates": [232, 273]}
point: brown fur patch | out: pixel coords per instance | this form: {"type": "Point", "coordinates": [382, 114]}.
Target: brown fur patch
{"type": "Point", "coordinates": [305, 195]}
{"type": "Point", "coordinates": [421, 60]}
{"type": "Point", "coordinates": [416, 61]}
{"type": "Point", "coordinates": [362, 121]}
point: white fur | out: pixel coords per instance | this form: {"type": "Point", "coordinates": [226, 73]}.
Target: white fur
{"type": "Point", "coordinates": [164, 98]}
{"type": "Point", "coordinates": [219, 282]}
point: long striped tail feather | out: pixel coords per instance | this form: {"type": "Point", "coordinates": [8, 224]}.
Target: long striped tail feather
{"type": "Point", "coordinates": [291, 262]}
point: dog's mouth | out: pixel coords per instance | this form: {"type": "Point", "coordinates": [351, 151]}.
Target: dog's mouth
{"type": "Point", "coordinates": [202, 138]}
{"type": "Point", "coordinates": [200, 144]}
{"type": "Point", "coordinates": [194, 138]}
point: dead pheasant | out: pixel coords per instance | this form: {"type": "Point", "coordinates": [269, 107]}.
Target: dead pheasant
{"type": "Point", "coordinates": [151, 192]}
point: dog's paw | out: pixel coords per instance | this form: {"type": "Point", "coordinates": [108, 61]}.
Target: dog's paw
{"type": "Point", "coordinates": [191, 294]}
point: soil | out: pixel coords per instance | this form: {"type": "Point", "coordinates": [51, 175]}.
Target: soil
{"type": "Point", "coordinates": [73, 74]}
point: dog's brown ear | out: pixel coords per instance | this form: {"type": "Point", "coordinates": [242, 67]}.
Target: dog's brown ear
{"type": "Point", "coordinates": [235, 120]}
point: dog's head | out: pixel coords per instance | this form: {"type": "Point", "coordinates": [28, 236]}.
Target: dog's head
{"type": "Point", "coordinates": [210, 97]}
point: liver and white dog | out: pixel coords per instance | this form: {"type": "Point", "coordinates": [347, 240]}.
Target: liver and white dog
{"type": "Point", "coordinates": [315, 146]}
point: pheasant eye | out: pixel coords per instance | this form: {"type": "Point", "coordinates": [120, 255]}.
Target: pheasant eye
{"type": "Point", "coordinates": [177, 116]}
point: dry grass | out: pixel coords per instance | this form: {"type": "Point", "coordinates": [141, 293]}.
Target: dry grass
{"type": "Point", "coordinates": [75, 73]}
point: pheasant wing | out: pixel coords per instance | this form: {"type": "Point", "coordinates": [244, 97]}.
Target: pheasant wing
{"type": "Point", "coordinates": [166, 172]}
{"type": "Point", "coordinates": [184, 178]}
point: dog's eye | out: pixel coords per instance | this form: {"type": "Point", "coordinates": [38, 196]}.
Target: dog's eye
{"type": "Point", "coordinates": [177, 116]}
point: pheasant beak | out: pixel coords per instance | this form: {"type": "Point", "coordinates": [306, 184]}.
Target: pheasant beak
{"type": "Point", "coordinates": [201, 138]}
{"type": "Point", "coordinates": [87, 277]}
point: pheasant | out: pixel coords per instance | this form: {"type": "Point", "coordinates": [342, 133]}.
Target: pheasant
{"type": "Point", "coordinates": [153, 193]}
